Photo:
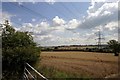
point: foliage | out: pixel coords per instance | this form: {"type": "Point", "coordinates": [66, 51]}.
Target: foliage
{"type": "Point", "coordinates": [115, 46]}
{"type": "Point", "coordinates": [17, 48]}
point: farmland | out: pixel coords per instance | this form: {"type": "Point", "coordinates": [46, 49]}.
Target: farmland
{"type": "Point", "coordinates": [83, 64]}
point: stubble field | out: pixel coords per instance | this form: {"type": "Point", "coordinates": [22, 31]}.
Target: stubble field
{"type": "Point", "coordinates": [85, 64]}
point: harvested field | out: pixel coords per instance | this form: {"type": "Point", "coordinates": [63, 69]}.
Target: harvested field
{"type": "Point", "coordinates": [85, 64]}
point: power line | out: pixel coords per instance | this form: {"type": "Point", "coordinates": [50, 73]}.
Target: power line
{"type": "Point", "coordinates": [35, 12]}
{"type": "Point", "coordinates": [68, 9]}
{"type": "Point", "coordinates": [17, 23]}
{"type": "Point", "coordinates": [57, 10]}
{"type": "Point", "coordinates": [40, 14]}
{"type": "Point", "coordinates": [75, 7]}
{"type": "Point", "coordinates": [31, 11]}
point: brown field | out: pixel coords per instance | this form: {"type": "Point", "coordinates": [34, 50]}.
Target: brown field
{"type": "Point", "coordinates": [87, 64]}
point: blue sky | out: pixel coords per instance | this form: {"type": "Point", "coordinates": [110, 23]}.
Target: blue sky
{"type": "Point", "coordinates": [43, 10]}
{"type": "Point", "coordinates": [63, 23]}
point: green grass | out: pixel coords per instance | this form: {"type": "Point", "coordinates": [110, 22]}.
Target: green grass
{"type": "Point", "coordinates": [53, 73]}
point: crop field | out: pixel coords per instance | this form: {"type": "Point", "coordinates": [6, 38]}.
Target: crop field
{"type": "Point", "coordinates": [84, 64]}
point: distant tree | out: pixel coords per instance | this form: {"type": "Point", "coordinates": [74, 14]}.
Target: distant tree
{"type": "Point", "coordinates": [17, 48]}
{"type": "Point", "coordinates": [56, 48]}
{"type": "Point", "coordinates": [115, 46]}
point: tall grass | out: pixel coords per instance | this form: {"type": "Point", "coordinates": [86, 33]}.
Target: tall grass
{"type": "Point", "coordinates": [53, 73]}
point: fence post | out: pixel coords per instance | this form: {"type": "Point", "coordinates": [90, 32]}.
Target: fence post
{"type": "Point", "coordinates": [25, 76]}
{"type": "Point", "coordinates": [37, 72]}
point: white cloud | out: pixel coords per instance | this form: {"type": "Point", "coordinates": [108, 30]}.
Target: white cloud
{"type": "Point", "coordinates": [17, 29]}
{"type": "Point", "coordinates": [112, 25]}
{"type": "Point", "coordinates": [43, 32]}
{"type": "Point", "coordinates": [20, 3]}
{"type": "Point", "coordinates": [9, 0]}
{"type": "Point", "coordinates": [100, 15]}
{"type": "Point", "coordinates": [45, 37]}
{"type": "Point", "coordinates": [58, 21]}
{"type": "Point", "coordinates": [6, 16]}
{"type": "Point", "coordinates": [38, 30]}
{"type": "Point", "coordinates": [44, 24]}
{"type": "Point", "coordinates": [72, 24]}
{"type": "Point", "coordinates": [111, 37]}
{"type": "Point", "coordinates": [105, 9]}
{"type": "Point", "coordinates": [97, 28]}
{"type": "Point", "coordinates": [50, 1]}
{"type": "Point", "coordinates": [27, 25]}
{"type": "Point", "coordinates": [96, 4]}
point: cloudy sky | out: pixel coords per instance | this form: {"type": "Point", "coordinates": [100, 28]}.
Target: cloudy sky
{"type": "Point", "coordinates": [63, 23]}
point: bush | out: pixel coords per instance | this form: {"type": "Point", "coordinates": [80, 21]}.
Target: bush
{"type": "Point", "coordinates": [115, 46]}
{"type": "Point", "coordinates": [17, 48]}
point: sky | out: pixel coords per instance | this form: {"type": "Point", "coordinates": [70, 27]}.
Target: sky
{"type": "Point", "coordinates": [63, 23]}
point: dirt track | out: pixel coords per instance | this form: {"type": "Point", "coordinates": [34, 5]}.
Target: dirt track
{"type": "Point", "coordinates": [82, 63]}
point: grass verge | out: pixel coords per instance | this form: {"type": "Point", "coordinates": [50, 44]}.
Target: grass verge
{"type": "Point", "coordinates": [53, 73]}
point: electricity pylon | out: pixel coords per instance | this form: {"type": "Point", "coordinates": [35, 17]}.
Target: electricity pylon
{"type": "Point", "coordinates": [99, 39]}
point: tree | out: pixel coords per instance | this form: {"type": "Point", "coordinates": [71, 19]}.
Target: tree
{"type": "Point", "coordinates": [115, 46]}
{"type": "Point", "coordinates": [17, 48]}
